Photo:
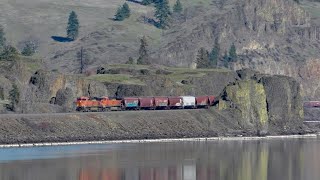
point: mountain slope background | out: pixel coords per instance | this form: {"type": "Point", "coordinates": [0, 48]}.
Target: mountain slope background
{"type": "Point", "coordinates": [271, 36]}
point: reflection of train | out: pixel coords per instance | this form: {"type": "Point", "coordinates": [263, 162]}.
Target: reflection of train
{"type": "Point", "coordinates": [87, 104]}
{"type": "Point", "coordinates": [311, 104]}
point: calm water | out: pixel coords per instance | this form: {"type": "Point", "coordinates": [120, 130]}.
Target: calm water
{"type": "Point", "coordinates": [227, 160]}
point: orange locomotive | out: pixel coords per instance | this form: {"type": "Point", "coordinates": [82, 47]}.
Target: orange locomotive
{"type": "Point", "coordinates": [87, 104]}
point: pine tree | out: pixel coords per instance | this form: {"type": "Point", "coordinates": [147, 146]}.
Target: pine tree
{"type": "Point", "coordinates": [122, 13]}
{"type": "Point", "coordinates": [146, 2]}
{"type": "Point", "coordinates": [143, 52]}
{"type": "Point", "coordinates": [126, 10]}
{"type": "Point", "coordinates": [162, 13]}
{"type": "Point", "coordinates": [2, 39]}
{"type": "Point", "coordinates": [9, 53]}
{"type": "Point", "coordinates": [233, 53]}
{"type": "Point", "coordinates": [73, 26]}
{"type": "Point", "coordinates": [203, 58]}
{"type": "Point", "coordinates": [177, 8]}
{"type": "Point", "coordinates": [225, 59]}
{"type": "Point", "coordinates": [29, 48]}
{"type": "Point", "coordinates": [214, 55]}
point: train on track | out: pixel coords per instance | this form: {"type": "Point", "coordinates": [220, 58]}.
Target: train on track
{"type": "Point", "coordinates": [102, 104]}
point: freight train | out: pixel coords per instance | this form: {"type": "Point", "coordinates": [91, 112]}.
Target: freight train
{"type": "Point", "coordinates": [86, 104]}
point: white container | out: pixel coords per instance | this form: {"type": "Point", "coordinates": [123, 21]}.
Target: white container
{"type": "Point", "coordinates": [188, 101]}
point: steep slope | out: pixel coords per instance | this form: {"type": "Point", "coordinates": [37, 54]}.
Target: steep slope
{"type": "Point", "coordinates": [273, 37]}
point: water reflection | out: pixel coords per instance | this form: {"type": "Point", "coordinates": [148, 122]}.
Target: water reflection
{"type": "Point", "coordinates": [233, 160]}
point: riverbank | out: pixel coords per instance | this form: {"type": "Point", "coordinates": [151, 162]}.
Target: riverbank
{"type": "Point", "coordinates": [132, 125]}
{"type": "Point", "coordinates": [161, 140]}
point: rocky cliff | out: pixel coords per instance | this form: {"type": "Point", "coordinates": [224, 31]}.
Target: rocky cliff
{"type": "Point", "coordinates": [271, 36]}
{"type": "Point", "coordinates": [264, 102]}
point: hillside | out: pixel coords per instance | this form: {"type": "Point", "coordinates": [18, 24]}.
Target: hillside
{"type": "Point", "coordinates": [267, 39]}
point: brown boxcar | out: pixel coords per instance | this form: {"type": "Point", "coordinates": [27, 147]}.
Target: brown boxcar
{"type": "Point", "coordinates": [146, 103]}
{"type": "Point", "coordinates": [161, 102]}
{"type": "Point", "coordinates": [131, 103]}
{"type": "Point", "coordinates": [202, 101]}
{"type": "Point", "coordinates": [175, 102]}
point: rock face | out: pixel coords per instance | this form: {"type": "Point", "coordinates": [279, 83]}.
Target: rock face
{"type": "Point", "coordinates": [267, 104]}
{"type": "Point", "coordinates": [267, 39]}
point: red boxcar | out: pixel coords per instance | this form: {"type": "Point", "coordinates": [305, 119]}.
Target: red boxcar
{"type": "Point", "coordinates": [146, 103]}
{"type": "Point", "coordinates": [175, 102]}
{"type": "Point", "coordinates": [202, 101]}
{"type": "Point", "coordinates": [131, 103]}
{"type": "Point", "coordinates": [161, 102]}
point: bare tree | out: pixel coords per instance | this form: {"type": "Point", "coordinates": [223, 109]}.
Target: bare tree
{"type": "Point", "coordinates": [83, 59]}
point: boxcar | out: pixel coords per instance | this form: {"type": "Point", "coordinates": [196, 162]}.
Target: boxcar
{"type": "Point", "coordinates": [161, 102]}
{"type": "Point", "coordinates": [131, 103]}
{"type": "Point", "coordinates": [175, 102]}
{"type": "Point", "coordinates": [188, 101]}
{"type": "Point", "coordinates": [202, 101]}
{"type": "Point", "coordinates": [146, 103]}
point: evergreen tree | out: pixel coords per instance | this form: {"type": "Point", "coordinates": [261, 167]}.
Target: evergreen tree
{"type": "Point", "coordinates": [29, 49]}
{"type": "Point", "coordinates": [146, 2]}
{"type": "Point", "coordinates": [177, 8]}
{"type": "Point", "coordinates": [126, 10]}
{"type": "Point", "coordinates": [233, 53]}
{"type": "Point", "coordinates": [14, 96]}
{"type": "Point", "coordinates": [143, 52]}
{"type": "Point", "coordinates": [162, 13]}
{"type": "Point", "coordinates": [203, 58]}
{"type": "Point", "coordinates": [122, 13]}
{"type": "Point", "coordinates": [2, 39]}
{"type": "Point", "coordinates": [73, 26]}
{"type": "Point", "coordinates": [225, 59]}
{"type": "Point", "coordinates": [214, 55]}
{"type": "Point", "coordinates": [9, 53]}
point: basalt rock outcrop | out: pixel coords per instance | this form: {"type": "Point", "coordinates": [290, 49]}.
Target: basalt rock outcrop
{"type": "Point", "coordinates": [264, 103]}
{"type": "Point", "coordinates": [271, 36]}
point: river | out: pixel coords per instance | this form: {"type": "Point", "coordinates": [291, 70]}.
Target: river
{"type": "Point", "coordinates": [280, 159]}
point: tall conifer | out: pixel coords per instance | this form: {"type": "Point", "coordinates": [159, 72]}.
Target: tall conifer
{"type": "Point", "coordinates": [162, 13]}
{"type": "Point", "coordinates": [73, 26]}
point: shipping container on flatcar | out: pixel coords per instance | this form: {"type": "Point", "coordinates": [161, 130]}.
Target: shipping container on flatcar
{"type": "Point", "coordinates": [188, 101]}
{"type": "Point", "coordinates": [146, 103]}
{"type": "Point", "coordinates": [202, 101]}
{"type": "Point", "coordinates": [131, 103]}
{"type": "Point", "coordinates": [107, 104]}
{"type": "Point", "coordinates": [211, 100]}
{"type": "Point", "coordinates": [161, 102]}
{"type": "Point", "coordinates": [311, 104]}
{"type": "Point", "coordinates": [175, 102]}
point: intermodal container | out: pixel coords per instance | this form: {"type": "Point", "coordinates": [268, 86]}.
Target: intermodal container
{"type": "Point", "coordinates": [131, 102]}
{"type": "Point", "coordinates": [211, 100]}
{"type": "Point", "coordinates": [202, 101]}
{"type": "Point", "coordinates": [175, 102]}
{"type": "Point", "coordinates": [188, 101]}
{"type": "Point", "coordinates": [146, 102]}
{"type": "Point", "coordinates": [161, 102]}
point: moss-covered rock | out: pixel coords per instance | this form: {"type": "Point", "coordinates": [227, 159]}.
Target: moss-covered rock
{"type": "Point", "coordinates": [267, 104]}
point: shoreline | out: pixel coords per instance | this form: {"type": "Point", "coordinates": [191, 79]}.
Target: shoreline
{"type": "Point", "coordinates": [141, 141]}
